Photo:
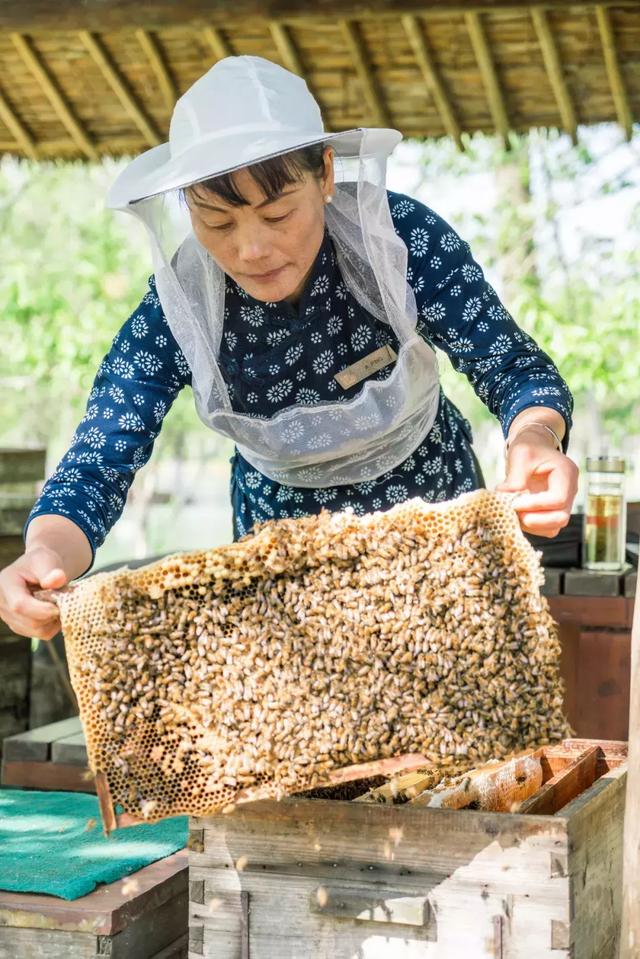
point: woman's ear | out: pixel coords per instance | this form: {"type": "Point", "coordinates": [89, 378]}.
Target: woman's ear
{"type": "Point", "coordinates": [328, 176]}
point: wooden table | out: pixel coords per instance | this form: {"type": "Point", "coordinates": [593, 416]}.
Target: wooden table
{"type": "Point", "coordinates": [52, 757]}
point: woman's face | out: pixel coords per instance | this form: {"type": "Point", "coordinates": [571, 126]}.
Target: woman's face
{"type": "Point", "coordinates": [268, 246]}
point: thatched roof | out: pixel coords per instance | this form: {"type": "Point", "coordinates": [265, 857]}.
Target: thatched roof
{"type": "Point", "coordinates": [93, 77]}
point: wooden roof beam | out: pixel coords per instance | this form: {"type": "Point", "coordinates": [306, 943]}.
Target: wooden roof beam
{"type": "Point", "coordinates": [497, 104]}
{"type": "Point", "coordinates": [612, 64]}
{"type": "Point", "coordinates": [167, 87]}
{"type": "Point", "coordinates": [51, 90]}
{"type": "Point", "coordinates": [286, 48]}
{"type": "Point", "coordinates": [367, 77]}
{"type": "Point", "coordinates": [12, 121]}
{"type": "Point", "coordinates": [431, 77]}
{"type": "Point", "coordinates": [220, 46]}
{"type": "Point", "coordinates": [555, 73]}
{"type": "Point", "coordinates": [110, 15]}
{"type": "Point", "coordinates": [118, 84]}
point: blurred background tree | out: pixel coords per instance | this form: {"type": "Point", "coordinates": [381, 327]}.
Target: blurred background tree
{"type": "Point", "coordinates": [555, 227]}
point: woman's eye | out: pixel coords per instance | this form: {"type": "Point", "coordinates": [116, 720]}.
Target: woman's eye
{"type": "Point", "coordinates": [277, 219]}
{"type": "Point", "coordinates": [217, 226]}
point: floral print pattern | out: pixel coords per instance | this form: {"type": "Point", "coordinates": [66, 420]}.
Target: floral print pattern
{"type": "Point", "coordinates": [275, 354]}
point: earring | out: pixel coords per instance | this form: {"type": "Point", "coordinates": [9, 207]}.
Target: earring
{"type": "Point", "coordinates": [328, 199]}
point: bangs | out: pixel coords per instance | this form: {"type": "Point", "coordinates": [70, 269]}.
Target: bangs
{"type": "Point", "coordinates": [271, 175]}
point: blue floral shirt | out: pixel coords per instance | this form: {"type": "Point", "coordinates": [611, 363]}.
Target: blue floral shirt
{"type": "Point", "coordinates": [274, 354]}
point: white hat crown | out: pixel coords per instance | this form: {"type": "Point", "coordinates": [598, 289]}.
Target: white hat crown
{"type": "Point", "coordinates": [242, 111]}
{"type": "Point", "coordinates": [247, 95]}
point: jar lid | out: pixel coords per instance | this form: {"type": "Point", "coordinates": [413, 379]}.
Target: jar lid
{"type": "Point", "coordinates": [606, 464]}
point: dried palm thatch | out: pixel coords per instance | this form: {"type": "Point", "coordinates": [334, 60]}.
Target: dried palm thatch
{"type": "Point", "coordinates": [265, 667]}
{"type": "Point", "coordinates": [86, 79]}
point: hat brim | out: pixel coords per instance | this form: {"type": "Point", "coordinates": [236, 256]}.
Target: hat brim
{"type": "Point", "coordinates": [155, 171]}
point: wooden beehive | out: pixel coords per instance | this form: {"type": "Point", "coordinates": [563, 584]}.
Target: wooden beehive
{"type": "Point", "coordinates": [334, 879]}
{"type": "Point", "coordinates": [143, 916]}
{"type": "Point", "coordinates": [20, 469]}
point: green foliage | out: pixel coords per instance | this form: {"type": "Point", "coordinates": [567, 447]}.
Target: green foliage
{"type": "Point", "coordinates": [580, 300]}
{"type": "Point", "coordinates": [72, 272]}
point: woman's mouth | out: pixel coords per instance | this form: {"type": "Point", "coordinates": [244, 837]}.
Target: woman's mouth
{"type": "Point", "coordinates": [267, 276]}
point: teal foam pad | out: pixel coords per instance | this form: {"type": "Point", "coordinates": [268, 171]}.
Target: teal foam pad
{"type": "Point", "coordinates": [52, 842]}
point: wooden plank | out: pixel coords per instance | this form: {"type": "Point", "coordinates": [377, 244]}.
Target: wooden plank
{"type": "Point", "coordinates": [555, 73]}
{"type": "Point", "coordinates": [109, 908]}
{"type": "Point", "coordinates": [151, 48]}
{"type": "Point", "coordinates": [26, 943]}
{"type": "Point", "coordinates": [630, 583]}
{"type": "Point", "coordinates": [595, 834]}
{"type": "Point", "coordinates": [36, 744]}
{"type": "Point", "coordinates": [584, 582]}
{"type": "Point", "coordinates": [101, 57]}
{"type": "Point", "coordinates": [564, 786]}
{"type": "Point", "coordinates": [286, 48]}
{"type": "Point", "coordinates": [383, 905]}
{"type": "Point", "coordinates": [604, 684]}
{"type": "Point", "coordinates": [150, 932]}
{"type": "Point", "coordinates": [47, 775]}
{"type": "Point", "coordinates": [36, 65]}
{"type": "Point", "coordinates": [11, 547]}
{"type": "Point", "coordinates": [176, 950]}
{"type": "Point", "coordinates": [354, 840]}
{"type": "Point", "coordinates": [495, 97]}
{"type": "Point", "coordinates": [12, 121]}
{"type": "Point", "coordinates": [496, 787]}
{"type": "Point", "coordinates": [13, 516]}
{"type": "Point", "coordinates": [552, 585]}
{"type": "Point", "coordinates": [614, 73]}
{"type": "Point", "coordinates": [593, 611]}
{"type": "Point", "coordinates": [158, 14]}
{"type": "Point", "coordinates": [71, 750]}
{"type": "Point", "coordinates": [220, 46]}
{"type": "Point", "coordinates": [431, 76]}
{"type": "Point", "coordinates": [22, 465]}
{"type": "Point", "coordinates": [368, 80]}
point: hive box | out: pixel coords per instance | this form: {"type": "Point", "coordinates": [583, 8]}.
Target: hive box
{"type": "Point", "coordinates": [331, 879]}
{"type": "Point", "coordinates": [143, 916]}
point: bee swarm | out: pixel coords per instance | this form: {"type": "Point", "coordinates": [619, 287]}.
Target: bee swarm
{"type": "Point", "coordinates": [314, 644]}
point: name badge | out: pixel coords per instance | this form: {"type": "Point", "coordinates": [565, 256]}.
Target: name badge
{"type": "Point", "coordinates": [365, 367]}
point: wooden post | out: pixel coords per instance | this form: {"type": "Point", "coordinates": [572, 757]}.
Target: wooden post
{"type": "Point", "coordinates": [630, 937]}
{"type": "Point", "coordinates": [20, 470]}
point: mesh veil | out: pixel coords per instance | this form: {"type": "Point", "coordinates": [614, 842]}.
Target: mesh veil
{"type": "Point", "coordinates": [330, 443]}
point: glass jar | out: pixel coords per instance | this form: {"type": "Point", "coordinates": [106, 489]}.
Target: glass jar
{"type": "Point", "coordinates": [605, 514]}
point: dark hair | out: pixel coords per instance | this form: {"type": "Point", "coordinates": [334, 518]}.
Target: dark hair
{"type": "Point", "coordinates": [271, 175]}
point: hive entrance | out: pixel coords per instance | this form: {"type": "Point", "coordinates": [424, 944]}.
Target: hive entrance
{"type": "Point", "coordinates": [312, 645]}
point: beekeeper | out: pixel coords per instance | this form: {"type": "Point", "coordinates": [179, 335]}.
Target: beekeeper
{"type": "Point", "coordinates": [302, 302]}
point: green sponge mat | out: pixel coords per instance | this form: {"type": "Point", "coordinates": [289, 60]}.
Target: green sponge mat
{"type": "Point", "coordinates": [52, 842]}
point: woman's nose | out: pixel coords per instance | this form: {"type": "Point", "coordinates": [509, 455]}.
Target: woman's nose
{"type": "Point", "coordinates": [252, 245]}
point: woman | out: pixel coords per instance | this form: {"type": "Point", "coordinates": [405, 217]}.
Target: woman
{"type": "Point", "coordinates": [301, 301]}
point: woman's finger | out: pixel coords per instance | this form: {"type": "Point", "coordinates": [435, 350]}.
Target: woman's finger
{"type": "Point", "coordinates": [544, 524]}
{"type": "Point", "coordinates": [559, 494]}
{"type": "Point", "coordinates": [31, 630]}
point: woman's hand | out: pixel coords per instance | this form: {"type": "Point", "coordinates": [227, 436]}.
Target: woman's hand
{"type": "Point", "coordinates": [547, 478]}
{"type": "Point", "coordinates": [38, 568]}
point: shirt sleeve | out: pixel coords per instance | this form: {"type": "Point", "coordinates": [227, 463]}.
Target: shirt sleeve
{"type": "Point", "coordinates": [134, 388]}
{"type": "Point", "coordinates": [460, 312]}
